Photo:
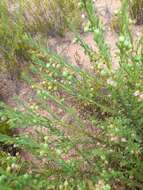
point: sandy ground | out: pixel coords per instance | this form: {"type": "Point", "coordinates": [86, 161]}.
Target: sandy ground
{"type": "Point", "coordinates": [66, 47]}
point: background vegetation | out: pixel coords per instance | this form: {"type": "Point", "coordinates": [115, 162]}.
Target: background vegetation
{"type": "Point", "coordinates": [136, 10]}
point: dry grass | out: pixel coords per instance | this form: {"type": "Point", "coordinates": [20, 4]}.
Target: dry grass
{"type": "Point", "coordinates": [137, 10]}
{"type": "Point", "coordinates": [49, 17]}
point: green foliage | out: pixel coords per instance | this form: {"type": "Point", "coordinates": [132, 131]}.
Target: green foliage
{"type": "Point", "coordinates": [4, 127]}
{"type": "Point", "coordinates": [101, 149]}
{"type": "Point", "coordinates": [12, 39]}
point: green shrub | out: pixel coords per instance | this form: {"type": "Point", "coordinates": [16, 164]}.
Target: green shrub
{"type": "Point", "coordinates": [101, 151]}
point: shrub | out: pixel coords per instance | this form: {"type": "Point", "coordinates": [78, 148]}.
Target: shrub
{"type": "Point", "coordinates": [102, 151]}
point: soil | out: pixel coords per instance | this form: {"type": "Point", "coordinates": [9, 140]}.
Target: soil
{"type": "Point", "coordinates": [74, 53]}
